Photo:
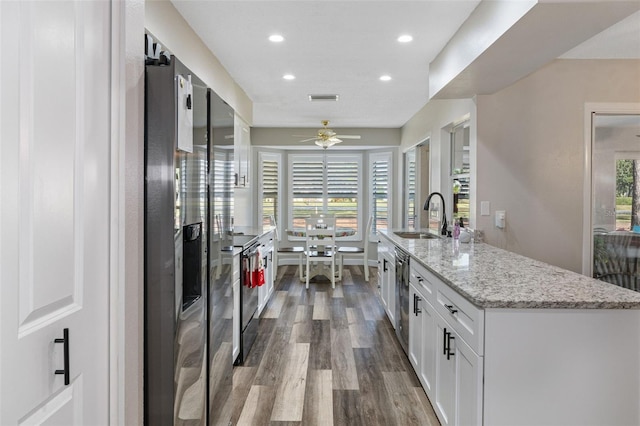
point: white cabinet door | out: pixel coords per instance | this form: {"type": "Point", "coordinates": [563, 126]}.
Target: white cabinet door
{"type": "Point", "coordinates": [384, 283]}
{"type": "Point", "coordinates": [427, 372]}
{"type": "Point", "coordinates": [54, 215]}
{"type": "Point", "coordinates": [458, 387]}
{"type": "Point", "coordinates": [445, 388]}
{"type": "Point", "coordinates": [416, 302]}
{"type": "Point", "coordinates": [391, 289]}
{"type": "Point", "coordinates": [469, 384]}
{"type": "Point", "coordinates": [242, 149]}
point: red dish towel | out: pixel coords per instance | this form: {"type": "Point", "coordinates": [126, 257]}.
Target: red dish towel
{"type": "Point", "coordinates": [258, 270]}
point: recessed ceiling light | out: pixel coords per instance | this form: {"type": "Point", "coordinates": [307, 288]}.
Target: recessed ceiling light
{"type": "Point", "coordinates": [289, 77]}
{"type": "Point", "coordinates": [276, 38]}
{"type": "Point", "coordinates": [385, 78]}
{"type": "Point", "coordinates": [405, 38]}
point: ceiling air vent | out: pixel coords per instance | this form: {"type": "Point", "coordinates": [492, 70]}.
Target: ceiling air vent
{"type": "Point", "coordinates": [317, 98]}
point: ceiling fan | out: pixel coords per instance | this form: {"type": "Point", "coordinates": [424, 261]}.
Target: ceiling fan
{"type": "Point", "coordinates": [326, 137]}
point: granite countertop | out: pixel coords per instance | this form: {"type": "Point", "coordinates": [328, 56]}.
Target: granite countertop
{"type": "Point", "coordinates": [490, 277]}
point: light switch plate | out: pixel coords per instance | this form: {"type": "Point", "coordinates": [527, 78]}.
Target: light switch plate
{"type": "Point", "coordinates": [485, 208]}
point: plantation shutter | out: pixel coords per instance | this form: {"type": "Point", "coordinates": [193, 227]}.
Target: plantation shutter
{"type": "Point", "coordinates": [411, 190]}
{"type": "Point", "coordinates": [342, 190]}
{"type": "Point", "coordinates": [270, 190]}
{"type": "Point", "coordinates": [307, 176]}
{"type": "Point", "coordinates": [221, 192]}
{"type": "Point", "coordinates": [380, 193]}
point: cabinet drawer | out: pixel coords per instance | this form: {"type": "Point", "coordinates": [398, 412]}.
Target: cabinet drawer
{"type": "Point", "coordinates": [465, 318]}
{"type": "Point", "coordinates": [424, 281]}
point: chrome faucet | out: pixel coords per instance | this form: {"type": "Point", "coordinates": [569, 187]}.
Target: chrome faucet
{"type": "Point", "coordinates": [427, 204]}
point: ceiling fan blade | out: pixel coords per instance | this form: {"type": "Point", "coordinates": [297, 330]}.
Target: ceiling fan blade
{"type": "Point", "coordinates": [348, 136]}
{"type": "Point", "coordinates": [300, 136]}
{"type": "Point", "coordinates": [308, 140]}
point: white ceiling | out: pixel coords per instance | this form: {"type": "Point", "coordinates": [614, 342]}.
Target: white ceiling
{"type": "Point", "coordinates": [343, 47]}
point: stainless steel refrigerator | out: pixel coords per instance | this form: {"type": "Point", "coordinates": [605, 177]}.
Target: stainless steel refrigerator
{"type": "Point", "coordinates": [188, 292]}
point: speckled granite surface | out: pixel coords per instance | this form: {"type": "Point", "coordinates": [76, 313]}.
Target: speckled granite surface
{"type": "Point", "coordinates": [490, 277]}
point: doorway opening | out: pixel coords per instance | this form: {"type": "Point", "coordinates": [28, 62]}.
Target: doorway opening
{"type": "Point", "coordinates": [615, 199]}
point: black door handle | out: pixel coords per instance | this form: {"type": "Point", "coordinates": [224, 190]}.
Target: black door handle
{"type": "Point", "coordinates": [449, 353]}
{"type": "Point", "coordinates": [65, 342]}
{"type": "Point", "coordinates": [448, 337]}
{"type": "Point", "coordinates": [416, 300]}
{"type": "Point", "coordinates": [445, 341]}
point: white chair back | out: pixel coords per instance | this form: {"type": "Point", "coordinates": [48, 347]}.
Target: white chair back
{"type": "Point", "coordinates": [321, 232]}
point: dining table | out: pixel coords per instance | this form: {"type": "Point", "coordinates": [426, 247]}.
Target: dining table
{"type": "Point", "coordinates": [319, 268]}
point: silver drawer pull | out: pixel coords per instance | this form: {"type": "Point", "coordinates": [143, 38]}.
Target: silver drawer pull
{"type": "Point", "coordinates": [450, 309]}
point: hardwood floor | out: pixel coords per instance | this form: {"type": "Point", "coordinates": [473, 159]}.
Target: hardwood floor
{"type": "Point", "coordinates": [327, 357]}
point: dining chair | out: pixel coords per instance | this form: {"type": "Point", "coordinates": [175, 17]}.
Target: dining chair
{"type": "Point", "coordinates": [320, 232]}
{"type": "Point", "coordinates": [362, 252]}
{"type": "Point", "coordinates": [296, 250]}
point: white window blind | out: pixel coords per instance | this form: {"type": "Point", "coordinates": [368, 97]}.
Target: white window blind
{"type": "Point", "coordinates": [326, 184]}
{"type": "Point", "coordinates": [380, 175]}
{"type": "Point", "coordinates": [307, 183]}
{"type": "Point", "coordinates": [342, 191]}
{"type": "Point", "coordinates": [410, 184]}
{"type": "Point", "coordinates": [270, 187]}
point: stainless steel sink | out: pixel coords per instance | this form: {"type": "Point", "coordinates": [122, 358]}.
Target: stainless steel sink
{"type": "Point", "coordinates": [416, 235]}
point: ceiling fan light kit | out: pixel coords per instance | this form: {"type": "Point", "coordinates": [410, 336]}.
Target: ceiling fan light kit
{"type": "Point", "coordinates": [326, 137]}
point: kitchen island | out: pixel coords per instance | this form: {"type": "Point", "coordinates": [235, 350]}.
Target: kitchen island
{"type": "Point", "coordinates": [500, 339]}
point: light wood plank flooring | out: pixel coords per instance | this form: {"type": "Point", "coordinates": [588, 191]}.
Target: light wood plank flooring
{"type": "Point", "coordinates": [327, 357]}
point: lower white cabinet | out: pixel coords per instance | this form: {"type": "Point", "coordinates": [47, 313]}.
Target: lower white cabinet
{"type": "Point", "coordinates": [422, 339]}
{"type": "Point", "coordinates": [266, 290]}
{"type": "Point", "coordinates": [450, 372]}
{"type": "Point", "coordinates": [458, 384]}
{"type": "Point", "coordinates": [387, 279]}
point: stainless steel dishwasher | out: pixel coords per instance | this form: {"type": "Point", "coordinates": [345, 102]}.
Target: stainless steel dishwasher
{"type": "Point", "coordinates": [402, 298]}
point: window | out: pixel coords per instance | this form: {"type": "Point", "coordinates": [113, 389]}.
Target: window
{"type": "Point", "coordinates": [380, 175]}
{"type": "Point", "coordinates": [269, 179]}
{"type": "Point", "coordinates": [410, 185]}
{"type": "Point", "coordinates": [460, 172]}
{"type": "Point", "coordinates": [325, 183]}
{"type": "Point", "coordinates": [221, 190]}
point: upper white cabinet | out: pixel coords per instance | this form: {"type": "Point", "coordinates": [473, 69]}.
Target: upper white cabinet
{"type": "Point", "coordinates": [242, 148]}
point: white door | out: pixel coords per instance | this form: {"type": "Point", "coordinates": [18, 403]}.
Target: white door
{"type": "Point", "coordinates": [54, 215]}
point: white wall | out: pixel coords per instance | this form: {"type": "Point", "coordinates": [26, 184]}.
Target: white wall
{"type": "Point", "coordinates": [530, 154]}
{"type": "Point", "coordinates": [166, 24]}
{"type": "Point", "coordinates": [126, 307]}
